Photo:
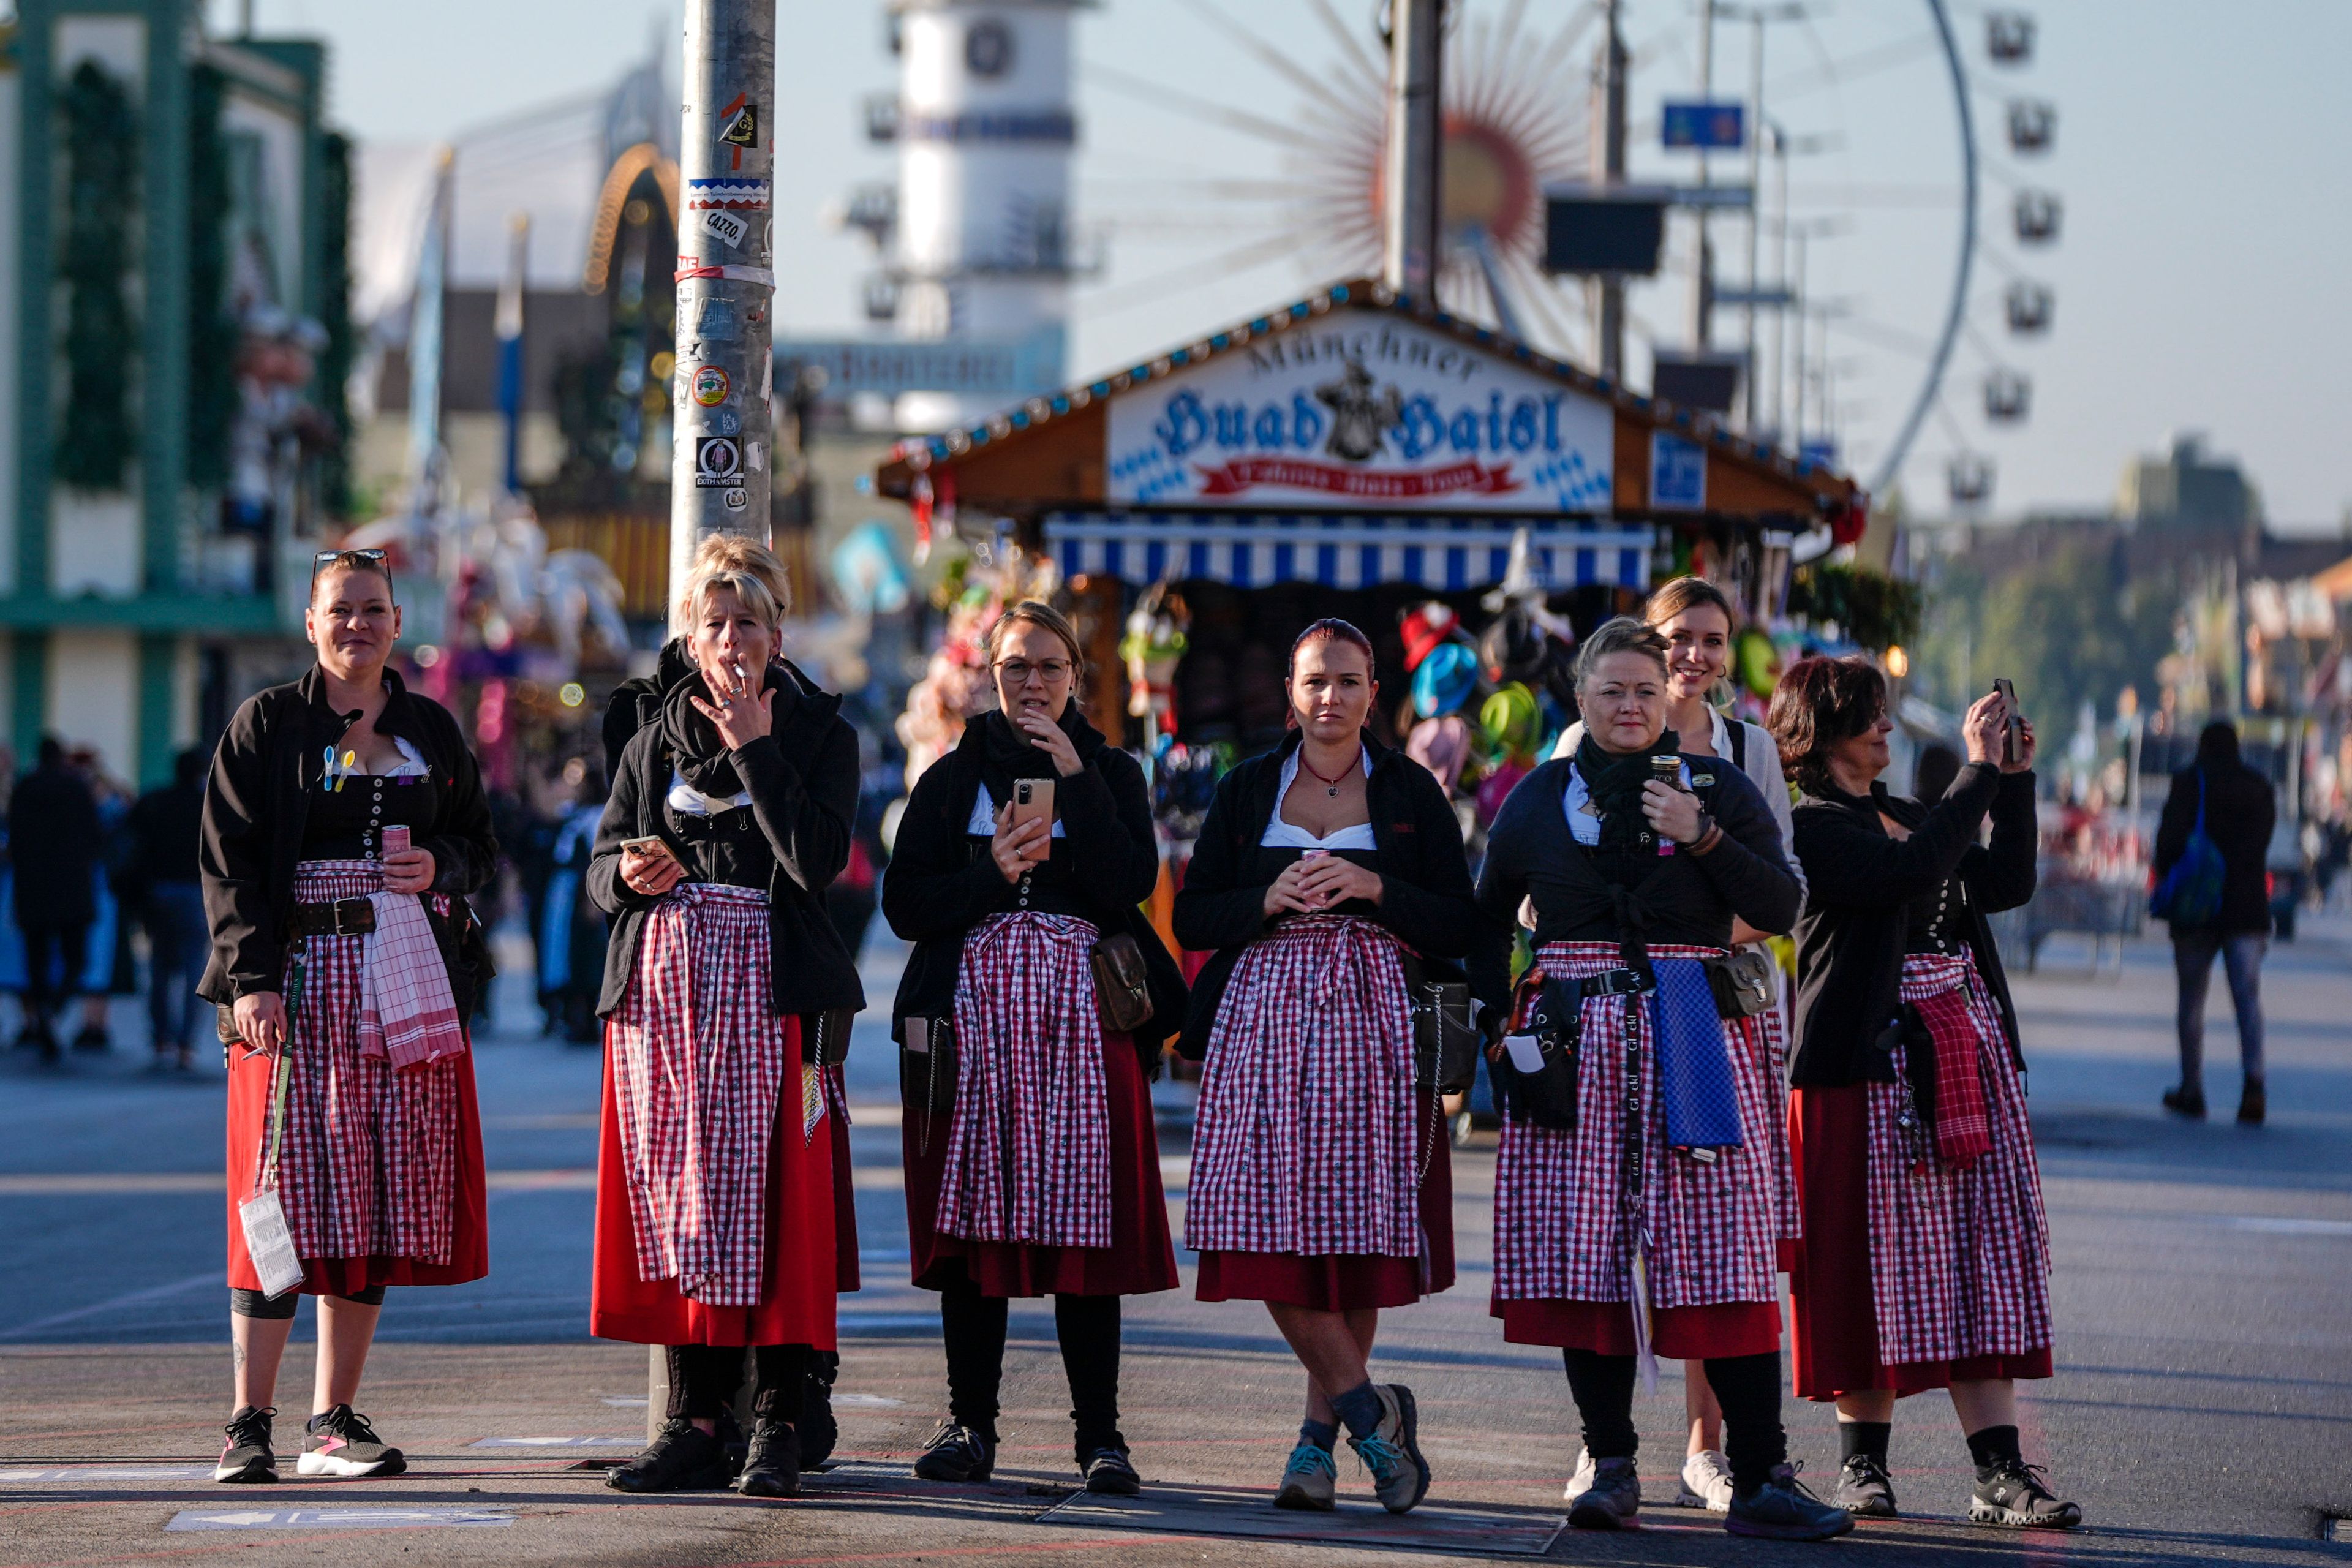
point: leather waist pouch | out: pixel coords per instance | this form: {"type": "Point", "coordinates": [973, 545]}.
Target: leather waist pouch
{"type": "Point", "coordinates": [1444, 1041]}
{"type": "Point", "coordinates": [827, 1034]}
{"type": "Point", "coordinates": [1550, 1012]}
{"type": "Point", "coordinates": [926, 1065]}
{"type": "Point", "coordinates": [1743, 982]}
{"type": "Point", "coordinates": [1122, 997]}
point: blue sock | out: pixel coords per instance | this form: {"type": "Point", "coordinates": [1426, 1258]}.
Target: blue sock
{"type": "Point", "coordinates": [1359, 1408]}
{"type": "Point", "coordinates": [1323, 1434]}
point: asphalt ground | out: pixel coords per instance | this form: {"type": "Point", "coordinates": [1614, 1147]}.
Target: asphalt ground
{"type": "Point", "coordinates": [2201, 1275]}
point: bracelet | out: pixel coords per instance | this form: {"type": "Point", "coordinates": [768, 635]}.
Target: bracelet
{"type": "Point", "coordinates": [1710, 834]}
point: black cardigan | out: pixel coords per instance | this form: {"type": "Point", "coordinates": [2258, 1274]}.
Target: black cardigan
{"type": "Point", "coordinates": [1859, 884]}
{"type": "Point", "coordinates": [942, 879]}
{"type": "Point", "coordinates": [258, 799]}
{"type": "Point", "coordinates": [1684, 898]}
{"type": "Point", "coordinates": [1426, 897]}
{"type": "Point", "coordinates": [803, 779]}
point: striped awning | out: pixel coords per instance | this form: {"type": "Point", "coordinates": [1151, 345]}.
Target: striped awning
{"type": "Point", "coordinates": [1252, 549]}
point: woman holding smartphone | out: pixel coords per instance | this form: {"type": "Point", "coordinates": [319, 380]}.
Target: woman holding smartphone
{"type": "Point", "coordinates": [1926, 1259]}
{"type": "Point", "coordinates": [715, 1190]}
{"type": "Point", "coordinates": [1321, 1184]}
{"type": "Point", "coordinates": [1636, 1192]}
{"type": "Point", "coordinates": [1043, 1177]}
{"type": "Point", "coordinates": [343, 826]}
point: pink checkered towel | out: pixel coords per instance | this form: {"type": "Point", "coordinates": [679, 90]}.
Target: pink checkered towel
{"type": "Point", "coordinates": [406, 1010]}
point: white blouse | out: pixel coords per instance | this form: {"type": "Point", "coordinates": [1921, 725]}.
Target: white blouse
{"type": "Point", "coordinates": [983, 817]}
{"type": "Point", "coordinates": [1281, 834]}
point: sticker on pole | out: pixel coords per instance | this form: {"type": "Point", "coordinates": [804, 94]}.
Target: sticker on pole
{"type": "Point", "coordinates": [739, 122]}
{"type": "Point", "coordinates": [736, 499]}
{"type": "Point", "coordinates": [725, 228]}
{"type": "Point", "coordinates": [717, 462]}
{"type": "Point", "coordinates": [711, 386]}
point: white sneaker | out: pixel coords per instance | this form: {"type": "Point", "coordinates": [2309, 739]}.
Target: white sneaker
{"type": "Point", "coordinates": [1581, 1482]}
{"type": "Point", "coordinates": [1707, 1483]}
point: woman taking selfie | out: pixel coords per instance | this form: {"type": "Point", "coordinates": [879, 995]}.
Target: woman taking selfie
{"type": "Point", "coordinates": [730, 814]}
{"type": "Point", "coordinates": [1320, 1182]}
{"type": "Point", "coordinates": [1926, 1259]}
{"type": "Point", "coordinates": [1636, 1195]}
{"type": "Point", "coordinates": [343, 826]}
{"type": "Point", "coordinates": [1032, 1165]}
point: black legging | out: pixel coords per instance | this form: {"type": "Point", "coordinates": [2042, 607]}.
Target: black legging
{"type": "Point", "coordinates": [69, 945]}
{"type": "Point", "coordinates": [1746, 1386]}
{"type": "Point", "coordinates": [1088, 1327]}
{"type": "Point", "coordinates": [705, 1379]}
{"type": "Point", "coordinates": [272, 1309]}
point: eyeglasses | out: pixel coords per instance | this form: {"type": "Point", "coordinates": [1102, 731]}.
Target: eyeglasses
{"type": "Point", "coordinates": [1018, 671]}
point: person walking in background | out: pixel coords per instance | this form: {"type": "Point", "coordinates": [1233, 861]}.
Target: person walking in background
{"type": "Point", "coordinates": [2232, 808]}
{"type": "Point", "coordinates": [53, 841]}
{"type": "Point", "coordinates": [569, 930]}
{"type": "Point", "coordinates": [160, 880]}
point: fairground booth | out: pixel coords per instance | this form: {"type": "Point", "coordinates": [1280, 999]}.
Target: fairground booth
{"type": "Point", "coordinates": [1473, 505]}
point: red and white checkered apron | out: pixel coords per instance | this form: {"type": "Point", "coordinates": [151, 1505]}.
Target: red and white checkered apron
{"type": "Point", "coordinates": [1028, 1154]}
{"type": "Point", "coordinates": [1563, 1229]}
{"type": "Point", "coordinates": [1960, 1258]}
{"type": "Point", "coordinates": [1304, 1140]}
{"type": "Point", "coordinates": [1773, 1075]}
{"type": "Point", "coordinates": [699, 1055]}
{"type": "Point", "coordinates": [370, 1166]}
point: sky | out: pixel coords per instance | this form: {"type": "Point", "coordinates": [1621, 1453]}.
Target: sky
{"type": "Point", "coordinates": [2198, 275]}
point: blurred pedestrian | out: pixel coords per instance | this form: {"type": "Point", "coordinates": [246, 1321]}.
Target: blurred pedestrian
{"type": "Point", "coordinates": [160, 880]}
{"type": "Point", "coordinates": [54, 839]}
{"type": "Point", "coordinates": [2232, 806]}
{"type": "Point", "coordinates": [344, 825]}
{"type": "Point", "coordinates": [570, 931]}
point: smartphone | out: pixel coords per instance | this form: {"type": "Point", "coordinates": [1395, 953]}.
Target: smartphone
{"type": "Point", "coordinates": [1034, 798]}
{"type": "Point", "coordinates": [2015, 742]}
{"type": "Point", "coordinates": [395, 841]}
{"type": "Point", "coordinates": [651, 844]}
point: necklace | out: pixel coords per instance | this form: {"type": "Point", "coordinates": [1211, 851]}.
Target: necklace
{"type": "Point", "coordinates": [1332, 786]}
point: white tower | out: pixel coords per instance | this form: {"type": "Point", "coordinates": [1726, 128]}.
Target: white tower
{"type": "Point", "coordinates": [985, 131]}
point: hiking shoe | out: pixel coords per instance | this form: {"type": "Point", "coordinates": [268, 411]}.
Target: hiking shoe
{"type": "Point", "coordinates": [1783, 1509]}
{"type": "Point", "coordinates": [956, 1454]}
{"type": "Point", "coordinates": [1580, 1479]}
{"type": "Point", "coordinates": [682, 1458]}
{"type": "Point", "coordinates": [1865, 1489]}
{"type": "Point", "coordinates": [341, 1443]}
{"type": "Point", "coordinates": [1612, 1500]}
{"type": "Point", "coordinates": [2011, 1493]}
{"type": "Point", "coordinates": [816, 1429]}
{"type": "Point", "coordinates": [245, 1457]}
{"type": "Point", "coordinates": [1393, 1453]}
{"type": "Point", "coordinates": [1311, 1480]}
{"type": "Point", "coordinates": [1707, 1483]}
{"type": "Point", "coordinates": [2254, 1103]}
{"type": "Point", "coordinates": [772, 1464]}
{"type": "Point", "coordinates": [1110, 1473]}
{"type": "Point", "coordinates": [2186, 1101]}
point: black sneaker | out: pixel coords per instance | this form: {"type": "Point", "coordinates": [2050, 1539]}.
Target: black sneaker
{"type": "Point", "coordinates": [683, 1458]}
{"type": "Point", "coordinates": [2253, 1104]}
{"type": "Point", "coordinates": [246, 1456]}
{"type": "Point", "coordinates": [1782, 1509]}
{"type": "Point", "coordinates": [816, 1428]}
{"type": "Point", "coordinates": [2189, 1102]}
{"type": "Point", "coordinates": [956, 1454]}
{"type": "Point", "coordinates": [93, 1037]}
{"type": "Point", "coordinates": [1109, 1472]}
{"type": "Point", "coordinates": [1864, 1489]}
{"type": "Point", "coordinates": [341, 1443]}
{"type": "Point", "coordinates": [772, 1464]}
{"type": "Point", "coordinates": [2011, 1493]}
{"type": "Point", "coordinates": [1613, 1499]}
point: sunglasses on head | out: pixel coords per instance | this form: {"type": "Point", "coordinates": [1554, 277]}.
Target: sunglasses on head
{"type": "Point", "coordinates": [356, 560]}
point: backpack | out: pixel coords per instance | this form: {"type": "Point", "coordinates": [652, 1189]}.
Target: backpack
{"type": "Point", "coordinates": [2190, 893]}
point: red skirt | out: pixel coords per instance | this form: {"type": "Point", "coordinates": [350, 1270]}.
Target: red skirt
{"type": "Point", "coordinates": [1349, 1281]}
{"type": "Point", "coordinates": [1836, 1313]}
{"type": "Point", "coordinates": [469, 1236]}
{"type": "Point", "coordinates": [801, 1267]}
{"type": "Point", "coordinates": [1142, 1258]}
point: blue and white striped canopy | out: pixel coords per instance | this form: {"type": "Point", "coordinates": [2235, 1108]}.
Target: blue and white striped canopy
{"type": "Point", "coordinates": [1250, 550]}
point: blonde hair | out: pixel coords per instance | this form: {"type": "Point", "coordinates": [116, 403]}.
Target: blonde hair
{"type": "Point", "coordinates": [1623, 634]}
{"type": "Point", "coordinates": [1037, 613]}
{"type": "Point", "coordinates": [744, 566]}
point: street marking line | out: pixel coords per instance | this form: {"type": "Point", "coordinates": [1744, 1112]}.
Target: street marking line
{"type": "Point", "coordinates": [70, 1475]}
{"type": "Point", "coordinates": [604, 1442]}
{"type": "Point", "coordinates": [337, 1519]}
{"type": "Point", "coordinates": [1250, 1516]}
{"type": "Point", "coordinates": [2269, 1225]}
{"type": "Point", "coordinates": [152, 1183]}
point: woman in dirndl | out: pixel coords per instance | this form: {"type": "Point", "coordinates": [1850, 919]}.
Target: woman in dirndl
{"type": "Point", "coordinates": [1926, 1257]}
{"type": "Point", "coordinates": [1043, 1177]}
{"type": "Point", "coordinates": [1636, 1194]}
{"type": "Point", "coordinates": [1320, 1184]}
{"type": "Point", "coordinates": [731, 811]}
{"type": "Point", "coordinates": [347, 965]}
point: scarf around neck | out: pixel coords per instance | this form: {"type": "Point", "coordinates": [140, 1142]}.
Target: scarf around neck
{"type": "Point", "coordinates": [1615, 783]}
{"type": "Point", "coordinates": [700, 757]}
{"type": "Point", "coordinates": [1005, 753]}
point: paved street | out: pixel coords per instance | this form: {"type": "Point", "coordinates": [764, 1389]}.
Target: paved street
{"type": "Point", "coordinates": [2205, 1349]}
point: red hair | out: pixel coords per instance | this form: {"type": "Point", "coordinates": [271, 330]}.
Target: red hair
{"type": "Point", "coordinates": [1819, 703]}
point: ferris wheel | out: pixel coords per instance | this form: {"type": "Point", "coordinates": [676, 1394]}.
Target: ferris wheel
{"type": "Point", "coordinates": [1884, 321]}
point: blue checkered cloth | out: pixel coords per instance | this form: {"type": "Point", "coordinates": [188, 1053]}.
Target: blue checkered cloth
{"type": "Point", "coordinates": [1693, 1064]}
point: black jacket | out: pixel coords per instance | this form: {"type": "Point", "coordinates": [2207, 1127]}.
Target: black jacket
{"type": "Point", "coordinates": [1683, 899]}
{"type": "Point", "coordinates": [2240, 812]}
{"type": "Point", "coordinates": [1860, 882]}
{"type": "Point", "coordinates": [803, 780]}
{"type": "Point", "coordinates": [54, 839]}
{"type": "Point", "coordinates": [1425, 897]}
{"type": "Point", "coordinates": [942, 882]}
{"type": "Point", "coordinates": [256, 803]}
